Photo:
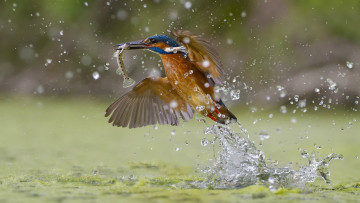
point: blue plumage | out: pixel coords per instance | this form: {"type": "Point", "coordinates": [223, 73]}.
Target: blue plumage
{"type": "Point", "coordinates": [164, 38]}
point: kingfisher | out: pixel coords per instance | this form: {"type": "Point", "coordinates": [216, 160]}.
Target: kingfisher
{"type": "Point", "coordinates": [189, 85]}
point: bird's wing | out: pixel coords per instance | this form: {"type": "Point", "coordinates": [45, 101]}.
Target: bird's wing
{"type": "Point", "coordinates": [202, 54]}
{"type": "Point", "coordinates": [151, 101]}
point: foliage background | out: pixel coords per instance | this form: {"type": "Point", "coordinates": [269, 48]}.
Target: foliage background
{"type": "Point", "coordinates": [272, 47]}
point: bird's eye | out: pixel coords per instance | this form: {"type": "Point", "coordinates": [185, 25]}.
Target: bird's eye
{"type": "Point", "coordinates": [153, 40]}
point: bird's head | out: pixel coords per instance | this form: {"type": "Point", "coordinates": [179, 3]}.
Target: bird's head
{"type": "Point", "coordinates": [156, 43]}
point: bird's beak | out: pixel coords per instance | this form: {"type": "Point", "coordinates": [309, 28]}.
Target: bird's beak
{"type": "Point", "coordinates": [132, 45]}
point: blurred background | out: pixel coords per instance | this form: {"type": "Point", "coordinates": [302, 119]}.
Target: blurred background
{"type": "Point", "coordinates": [274, 52]}
{"type": "Point", "coordinates": [292, 70]}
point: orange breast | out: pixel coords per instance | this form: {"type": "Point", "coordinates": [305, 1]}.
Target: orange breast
{"type": "Point", "coordinates": [188, 81]}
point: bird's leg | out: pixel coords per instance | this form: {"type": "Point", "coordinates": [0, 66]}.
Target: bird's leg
{"type": "Point", "coordinates": [212, 117]}
{"type": "Point", "coordinates": [216, 109]}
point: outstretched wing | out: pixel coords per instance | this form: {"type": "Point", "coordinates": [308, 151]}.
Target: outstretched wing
{"type": "Point", "coordinates": [151, 101]}
{"type": "Point", "coordinates": [202, 54]}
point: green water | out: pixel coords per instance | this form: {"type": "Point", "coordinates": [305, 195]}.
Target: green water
{"type": "Point", "coordinates": [58, 150]}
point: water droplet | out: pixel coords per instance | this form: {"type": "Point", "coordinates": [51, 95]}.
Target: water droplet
{"type": "Point", "coordinates": [200, 108]}
{"type": "Point", "coordinates": [155, 127]}
{"type": "Point", "coordinates": [48, 61]}
{"type": "Point", "coordinates": [282, 94]}
{"type": "Point", "coordinates": [173, 104]}
{"type": "Point", "coordinates": [264, 135]}
{"type": "Point", "coordinates": [204, 142]}
{"type": "Point", "coordinates": [332, 84]}
{"type": "Point", "coordinates": [95, 75]}
{"type": "Point", "coordinates": [205, 63]}
{"type": "Point", "coordinates": [40, 89]}
{"type": "Point", "coordinates": [235, 94]}
{"type": "Point", "coordinates": [283, 109]}
{"type": "Point", "coordinates": [69, 75]}
{"type": "Point", "coordinates": [173, 132]}
{"type": "Point", "coordinates": [61, 32]}
{"type": "Point", "coordinates": [243, 14]}
{"type": "Point", "coordinates": [229, 41]}
{"type": "Point", "coordinates": [188, 5]}
{"type": "Point", "coordinates": [177, 149]}
{"type": "Point", "coordinates": [349, 64]}
{"type": "Point", "coordinates": [302, 103]}
{"type": "Point", "coordinates": [279, 88]}
{"type": "Point", "coordinates": [122, 15]}
{"type": "Point", "coordinates": [317, 90]}
{"type": "Point", "coordinates": [296, 98]}
{"type": "Point", "coordinates": [186, 40]}
{"type": "Point", "coordinates": [86, 3]}
{"type": "Point", "coordinates": [206, 85]}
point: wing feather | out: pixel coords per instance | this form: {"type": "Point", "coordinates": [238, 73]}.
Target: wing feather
{"type": "Point", "coordinates": [202, 54]}
{"type": "Point", "coordinates": [147, 104]}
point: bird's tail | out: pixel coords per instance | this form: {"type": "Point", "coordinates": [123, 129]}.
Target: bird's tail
{"type": "Point", "coordinates": [225, 114]}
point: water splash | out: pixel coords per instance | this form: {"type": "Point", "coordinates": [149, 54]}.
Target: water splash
{"type": "Point", "coordinates": [239, 163]}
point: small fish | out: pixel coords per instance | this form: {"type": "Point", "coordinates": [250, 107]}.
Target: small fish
{"type": "Point", "coordinates": [121, 67]}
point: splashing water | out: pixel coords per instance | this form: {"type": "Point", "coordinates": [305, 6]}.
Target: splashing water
{"type": "Point", "coordinates": [240, 163]}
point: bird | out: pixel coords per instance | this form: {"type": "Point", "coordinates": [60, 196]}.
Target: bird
{"type": "Point", "coordinates": [189, 85]}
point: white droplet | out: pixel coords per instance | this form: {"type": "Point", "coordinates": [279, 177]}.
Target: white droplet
{"type": "Point", "coordinates": [173, 104]}
{"type": "Point", "coordinates": [293, 120]}
{"type": "Point", "coordinates": [243, 14]}
{"type": "Point", "coordinates": [349, 64]}
{"type": "Point", "coordinates": [40, 89]}
{"type": "Point", "coordinates": [61, 32]}
{"type": "Point", "coordinates": [296, 98]}
{"type": "Point", "coordinates": [200, 108]}
{"type": "Point", "coordinates": [206, 85]}
{"type": "Point", "coordinates": [86, 3]}
{"type": "Point", "coordinates": [205, 63]}
{"type": "Point", "coordinates": [235, 94]}
{"type": "Point", "coordinates": [302, 103]}
{"type": "Point", "coordinates": [173, 15]}
{"type": "Point", "coordinates": [69, 75]}
{"type": "Point", "coordinates": [332, 84]}
{"type": "Point", "coordinates": [279, 88]}
{"type": "Point", "coordinates": [122, 15]}
{"type": "Point", "coordinates": [86, 60]}
{"type": "Point", "coordinates": [186, 40]}
{"type": "Point", "coordinates": [96, 75]}
{"type": "Point", "coordinates": [264, 135]}
{"type": "Point", "coordinates": [229, 41]}
{"type": "Point", "coordinates": [282, 94]}
{"type": "Point", "coordinates": [188, 5]}
{"type": "Point", "coordinates": [204, 142]}
{"type": "Point", "coordinates": [173, 132]}
{"type": "Point", "coordinates": [283, 109]}
{"type": "Point", "coordinates": [48, 61]}
{"type": "Point", "coordinates": [317, 90]}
